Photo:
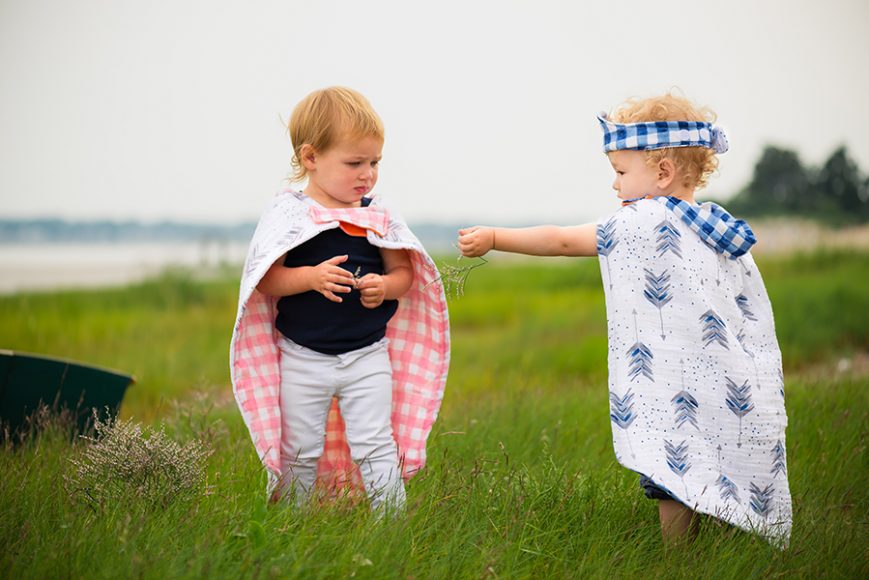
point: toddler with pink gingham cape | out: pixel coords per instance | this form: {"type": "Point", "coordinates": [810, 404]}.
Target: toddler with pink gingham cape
{"type": "Point", "coordinates": [418, 333]}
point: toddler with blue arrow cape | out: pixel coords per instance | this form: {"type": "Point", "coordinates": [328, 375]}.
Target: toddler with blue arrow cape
{"type": "Point", "coordinates": [695, 377]}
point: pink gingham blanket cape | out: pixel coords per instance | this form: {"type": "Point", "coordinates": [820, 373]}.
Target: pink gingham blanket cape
{"type": "Point", "coordinates": [419, 338]}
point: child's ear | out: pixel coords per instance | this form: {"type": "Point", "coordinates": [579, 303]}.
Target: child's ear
{"type": "Point", "coordinates": [666, 172]}
{"type": "Point", "coordinates": [308, 156]}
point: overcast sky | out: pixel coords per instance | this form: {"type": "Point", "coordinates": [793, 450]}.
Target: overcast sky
{"type": "Point", "coordinates": [127, 109]}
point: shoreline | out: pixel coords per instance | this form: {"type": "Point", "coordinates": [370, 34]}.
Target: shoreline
{"type": "Point", "coordinates": [47, 267]}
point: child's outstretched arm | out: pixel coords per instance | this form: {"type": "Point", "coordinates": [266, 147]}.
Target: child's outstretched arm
{"type": "Point", "coordinates": [327, 278]}
{"type": "Point", "coordinates": [537, 241]}
{"type": "Point", "coordinates": [395, 281]}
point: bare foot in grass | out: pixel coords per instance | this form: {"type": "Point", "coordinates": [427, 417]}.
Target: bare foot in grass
{"type": "Point", "coordinates": [678, 523]}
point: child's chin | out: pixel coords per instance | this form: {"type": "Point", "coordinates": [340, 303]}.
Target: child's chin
{"type": "Point", "coordinates": [350, 199]}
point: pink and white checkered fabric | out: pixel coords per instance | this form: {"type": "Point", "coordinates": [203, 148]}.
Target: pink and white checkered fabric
{"type": "Point", "coordinates": [372, 218]}
{"type": "Point", "coordinates": [419, 338]}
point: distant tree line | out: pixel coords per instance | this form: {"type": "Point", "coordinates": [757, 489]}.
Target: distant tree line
{"type": "Point", "coordinates": [836, 192]}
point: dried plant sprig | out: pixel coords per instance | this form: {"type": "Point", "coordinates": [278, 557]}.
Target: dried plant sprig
{"type": "Point", "coordinates": [124, 460]}
{"type": "Point", "coordinates": [455, 277]}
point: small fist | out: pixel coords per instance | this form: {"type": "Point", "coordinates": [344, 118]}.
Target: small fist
{"type": "Point", "coordinates": [476, 241]}
{"type": "Point", "coordinates": [372, 289]}
{"type": "Point", "coordinates": [328, 278]}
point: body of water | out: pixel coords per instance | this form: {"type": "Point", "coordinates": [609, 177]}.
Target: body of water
{"type": "Point", "coordinates": [51, 265]}
{"type": "Point", "coordinates": [46, 266]}
{"type": "Point", "coordinates": [88, 265]}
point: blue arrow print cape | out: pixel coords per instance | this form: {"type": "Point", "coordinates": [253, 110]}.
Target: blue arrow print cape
{"type": "Point", "coordinates": [695, 375]}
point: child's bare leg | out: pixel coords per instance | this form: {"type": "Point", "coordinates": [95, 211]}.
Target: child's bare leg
{"type": "Point", "coordinates": [677, 521]}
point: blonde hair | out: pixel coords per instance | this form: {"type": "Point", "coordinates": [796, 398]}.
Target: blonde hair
{"type": "Point", "coordinates": [694, 165]}
{"type": "Point", "coordinates": [326, 116]}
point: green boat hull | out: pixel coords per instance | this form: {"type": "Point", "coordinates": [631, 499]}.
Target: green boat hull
{"type": "Point", "coordinates": [28, 381]}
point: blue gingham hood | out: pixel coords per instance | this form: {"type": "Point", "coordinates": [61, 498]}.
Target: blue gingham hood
{"type": "Point", "coordinates": [717, 228]}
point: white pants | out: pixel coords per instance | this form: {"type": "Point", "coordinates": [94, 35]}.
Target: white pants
{"type": "Point", "coordinates": [362, 382]}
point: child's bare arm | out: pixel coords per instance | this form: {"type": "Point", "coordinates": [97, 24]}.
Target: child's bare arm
{"type": "Point", "coordinates": [327, 278]}
{"type": "Point", "coordinates": [396, 280]}
{"type": "Point", "coordinates": [536, 241]}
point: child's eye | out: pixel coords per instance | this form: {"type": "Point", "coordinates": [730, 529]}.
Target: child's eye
{"type": "Point", "coordinates": [375, 163]}
{"type": "Point", "coordinates": [354, 163]}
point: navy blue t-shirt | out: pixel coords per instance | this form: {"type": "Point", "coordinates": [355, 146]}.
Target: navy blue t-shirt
{"type": "Point", "coordinates": [312, 320]}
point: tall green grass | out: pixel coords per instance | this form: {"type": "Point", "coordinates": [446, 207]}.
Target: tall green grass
{"type": "Point", "coordinates": [521, 480]}
{"type": "Point", "coordinates": [171, 333]}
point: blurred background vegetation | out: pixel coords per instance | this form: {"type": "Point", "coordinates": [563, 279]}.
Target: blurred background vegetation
{"type": "Point", "coordinates": [836, 193]}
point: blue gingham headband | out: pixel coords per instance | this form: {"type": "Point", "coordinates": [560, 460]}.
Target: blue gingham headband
{"type": "Point", "coordinates": [661, 134]}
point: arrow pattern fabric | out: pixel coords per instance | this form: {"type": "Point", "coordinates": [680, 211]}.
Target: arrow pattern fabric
{"type": "Point", "coordinates": [701, 417]}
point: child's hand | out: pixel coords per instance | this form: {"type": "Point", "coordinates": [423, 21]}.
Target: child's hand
{"type": "Point", "coordinates": [372, 288]}
{"type": "Point", "coordinates": [328, 277]}
{"type": "Point", "coordinates": [476, 241]}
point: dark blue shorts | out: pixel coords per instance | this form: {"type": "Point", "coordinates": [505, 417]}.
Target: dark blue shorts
{"type": "Point", "coordinates": [652, 491]}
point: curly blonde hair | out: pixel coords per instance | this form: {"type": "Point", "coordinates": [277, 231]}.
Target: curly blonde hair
{"type": "Point", "coordinates": [694, 165]}
{"type": "Point", "coordinates": [326, 116]}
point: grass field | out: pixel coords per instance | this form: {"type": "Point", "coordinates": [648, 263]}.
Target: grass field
{"type": "Point", "coordinates": [521, 481]}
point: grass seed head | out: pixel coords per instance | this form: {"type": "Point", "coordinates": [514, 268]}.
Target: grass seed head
{"type": "Point", "coordinates": [454, 277]}
{"type": "Point", "coordinates": [123, 461]}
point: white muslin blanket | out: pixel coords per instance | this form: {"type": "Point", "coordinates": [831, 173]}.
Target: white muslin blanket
{"type": "Point", "coordinates": [695, 375]}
